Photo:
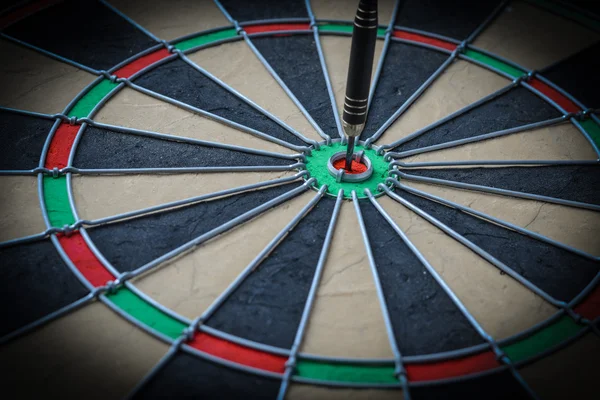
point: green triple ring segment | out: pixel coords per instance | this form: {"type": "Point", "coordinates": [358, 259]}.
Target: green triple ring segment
{"type": "Point", "coordinates": [316, 165]}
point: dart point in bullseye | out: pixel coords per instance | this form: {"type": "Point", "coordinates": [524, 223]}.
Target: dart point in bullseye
{"type": "Point", "coordinates": [360, 65]}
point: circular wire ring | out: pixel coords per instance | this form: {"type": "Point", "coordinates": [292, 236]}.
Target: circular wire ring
{"type": "Point", "coordinates": [345, 177]}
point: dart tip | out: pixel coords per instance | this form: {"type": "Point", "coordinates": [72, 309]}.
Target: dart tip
{"type": "Point", "coordinates": [349, 152]}
{"type": "Point", "coordinates": [353, 131]}
{"type": "Point", "coordinates": [348, 166]}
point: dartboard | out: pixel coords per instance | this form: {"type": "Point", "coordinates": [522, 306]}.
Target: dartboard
{"type": "Point", "coordinates": [174, 222]}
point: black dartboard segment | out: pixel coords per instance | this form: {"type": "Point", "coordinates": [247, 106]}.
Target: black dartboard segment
{"type": "Point", "coordinates": [454, 19]}
{"type": "Point", "coordinates": [515, 108]}
{"type": "Point", "coordinates": [101, 42]}
{"type": "Point", "coordinates": [130, 244]}
{"type": "Point", "coordinates": [405, 69]}
{"type": "Point", "coordinates": [424, 318]}
{"type": "Point", "coordinates": [267, 307]}
{"type": "Point", "coordinates": [22, 138]}
{"type": "Point", "coordinates": [188, 376]}
{"type": "Point", "coordinates": [579, 76]}
{"type": "Point", "coordinates": [101, 148]}
{"type": "Point", "coordinates": [253, 10]}
{"type": "Point", "coordinates": [296, 61]}
{"type": "Point", "coordinates": [577, 183]}
{"type": "Point", "coordinates": [180, 81]}
{"type": "Point", "coordinates": [495, 386]}
{"type": "Point", "coordinates": [558, 272]}
{"type": "Point", "coordinates": [28, 273]}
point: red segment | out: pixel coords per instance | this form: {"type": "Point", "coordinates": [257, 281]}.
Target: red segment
{"type": "Point", "coordinates": [276, 27]}
{"type": "Point", "coordinates": [141, 63]}
{"type": "Point", "coordinates": [85, 261]}
{"type": "Point", "coordinates": [18, 14]}
{"type": "Point", "coordinates": [355, 168]}
{"type": "Point", "coordinates": [590, 307]}
{"type": "Point", "coordinates": [238, 354]}
{"type": "Point", "coordinates": [415, 37]}
{"type": "Point", "coordinates": [452, 368]}
{"type": "Point", "coordinates": [554, 95]}
{"type": "Point", "coordinates": [60, 146]}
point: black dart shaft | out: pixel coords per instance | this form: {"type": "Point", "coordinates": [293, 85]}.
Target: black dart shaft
{"type": "Point", "coordinates": [360, 66]}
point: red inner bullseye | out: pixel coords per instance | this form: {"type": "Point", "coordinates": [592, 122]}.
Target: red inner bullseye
{"type": "Point", "coordinates": [356, 168]}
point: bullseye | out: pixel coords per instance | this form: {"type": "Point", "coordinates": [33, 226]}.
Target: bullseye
{"type": "Point", "coordinates": [327, 165]}
{"type": "Point", "coordinates": [361, 169]}
{"type": "Point", "coordinates": [356, 168]}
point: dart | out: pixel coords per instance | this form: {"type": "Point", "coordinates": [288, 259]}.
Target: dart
{"type": "Point", "coordinates": [360, 66]}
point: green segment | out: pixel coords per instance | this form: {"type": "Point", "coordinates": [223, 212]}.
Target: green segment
{"type": "Point", "coordinates": [205, 39]}
{"type": "Point", "coordinates": [344, 29]}
{"type": "Point", "coordinates": [147, 314]}
{"type": "Point", "coordinates": [345, 372]}
{"type": "Point", "coordinates": [316, 164]}
{"type": "Point", "coordinates": [335, 28]}
{"type": "Point", "coordinates": [86, 104]}
{"type": "Point", "coordinates": [565, 12]}
{"type": "Point", "coordinates": [592, 129]}
{"type": "Point", "coordinates": [57, 201]}
{"type": "Point", "coordinates": [542, 340]}
{"type": "Point", "coordinates": [495, 63]}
